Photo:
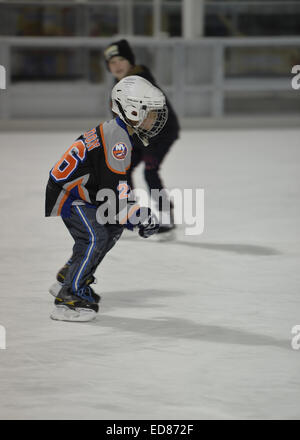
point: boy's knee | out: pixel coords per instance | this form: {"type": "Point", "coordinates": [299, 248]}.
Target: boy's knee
{"type": "Point", "coordinates": [101, 240]}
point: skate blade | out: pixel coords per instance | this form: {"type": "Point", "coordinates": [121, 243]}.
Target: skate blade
{"type": "Point", "coordinates": [55, 288]}
{"type": "Point", "coordinates": [63, 313]}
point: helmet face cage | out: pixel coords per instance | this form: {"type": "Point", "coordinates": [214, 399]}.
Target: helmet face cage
{"type": "Point", "coordinates": [161, 116]}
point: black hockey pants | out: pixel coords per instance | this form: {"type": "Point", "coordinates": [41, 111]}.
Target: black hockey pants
{"type": "Point", "coordinates": [92, 242]}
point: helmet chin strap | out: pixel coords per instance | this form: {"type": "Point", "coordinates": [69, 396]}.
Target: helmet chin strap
{"type": "Point", "coordinates": [144, 139]}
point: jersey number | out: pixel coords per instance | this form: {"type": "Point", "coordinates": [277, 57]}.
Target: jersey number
{"type": "Point", "coordinates": [124, 190]}
{"type": "Point", "coordinates": [69, 161]}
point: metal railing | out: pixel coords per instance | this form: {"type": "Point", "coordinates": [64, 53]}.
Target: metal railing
{"type": "Point", "coordinates": [193, 74]}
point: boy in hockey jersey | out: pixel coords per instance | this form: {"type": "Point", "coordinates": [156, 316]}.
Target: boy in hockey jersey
{"type": "Point", "coordinates": [89, 180]}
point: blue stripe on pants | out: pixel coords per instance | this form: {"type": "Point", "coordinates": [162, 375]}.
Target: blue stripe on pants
{"type": "Point", "coordinates": [89, 251]}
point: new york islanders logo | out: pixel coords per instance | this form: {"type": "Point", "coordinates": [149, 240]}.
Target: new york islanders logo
{"type": "Point", "coordinates": [119, 151]}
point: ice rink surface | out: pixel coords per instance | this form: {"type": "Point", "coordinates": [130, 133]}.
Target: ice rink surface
{"type": "Point", "coordinates": [195, 329]}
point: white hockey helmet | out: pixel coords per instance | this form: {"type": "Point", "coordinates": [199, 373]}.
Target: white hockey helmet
{"type": "Point", "coordinates": [133, 99]}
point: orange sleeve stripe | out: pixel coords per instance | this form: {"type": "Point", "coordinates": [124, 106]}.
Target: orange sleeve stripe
{"type": "Point", "coordinates": [68, 189]}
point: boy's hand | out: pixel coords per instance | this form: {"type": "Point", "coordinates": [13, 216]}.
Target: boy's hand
{"type": "Point", "coordinates": [149, 225]}
{"type": "Point", "coordinates": [144, 220]}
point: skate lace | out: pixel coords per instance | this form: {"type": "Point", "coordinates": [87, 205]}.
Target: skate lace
{"type": "Point", "coordinates": [86, 293]}
{"type": "Point", "coordinates": [92, 280]}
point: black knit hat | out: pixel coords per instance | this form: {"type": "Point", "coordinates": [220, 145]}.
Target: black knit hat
{"type": "Point", "coordinates": [119, 48]}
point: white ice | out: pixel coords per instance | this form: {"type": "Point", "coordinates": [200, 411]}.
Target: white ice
{"type": "Point", "coordinates": [195, 329]}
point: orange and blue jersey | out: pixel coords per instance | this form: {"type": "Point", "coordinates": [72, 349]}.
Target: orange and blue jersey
{"type": "Point", "coordinates": [98, 159]}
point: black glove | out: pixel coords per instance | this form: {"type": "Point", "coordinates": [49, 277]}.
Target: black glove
{"type": "Point", "coordinates": [144, 220]}
{"type": "Point", "coordinates": [149, 225]}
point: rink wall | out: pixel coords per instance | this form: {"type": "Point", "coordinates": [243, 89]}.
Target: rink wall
{"type": "Point", "coordinates": [211, 82]}
{"type": "Point", "coordinates": [80, 125]}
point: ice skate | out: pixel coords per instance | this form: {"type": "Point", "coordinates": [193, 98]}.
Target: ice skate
{"type": "Point", "coordinates": [79, 306]}
{"type": "Point", "coordinates": [60, 277]}
{"type": "Point", "coordinates": [61, 274]}
{"type": "Point", "coordinates": [166, 231]}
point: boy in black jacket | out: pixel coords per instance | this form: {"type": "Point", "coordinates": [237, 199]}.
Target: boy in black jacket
{"type": "Point", "coordinates": [121, 63]}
